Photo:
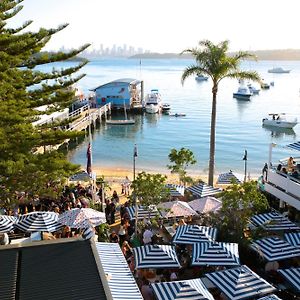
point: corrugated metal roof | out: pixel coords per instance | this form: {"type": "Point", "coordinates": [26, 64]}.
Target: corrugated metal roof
{"type": "Point", "coordinates": [121, 80]}
{"type": "Point", "coordinates": [56, 271]}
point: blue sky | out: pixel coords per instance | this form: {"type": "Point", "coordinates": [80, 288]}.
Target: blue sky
{"type": "Point", "coordinates": [167, 25]}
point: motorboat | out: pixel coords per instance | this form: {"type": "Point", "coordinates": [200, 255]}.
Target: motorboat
{"type": "Point", "coordinates": [166, 107]}
{"type": "Point", "coordinates": [253, 89]}
{"type": "Point", "coordinates": [280, 120]}
{"type": "Point", "coordinates": [201, 77]}
{"type": "Point", "coordinates": [264, 85]}
{"type": "Point", "coordinates": [243, 93]}
{"type": "Point", "coordinates": [278, 70]}
{"type": "Point", "coordinates": [153, 102]}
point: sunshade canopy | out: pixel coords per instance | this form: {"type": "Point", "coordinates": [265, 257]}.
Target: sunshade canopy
{"type": "Point", "coordinates": [7, 223]}
{"type": "Point", "coordinates": [176, 209]}
{"type": "Point", "coordinates": [292, 275]}
{"type": "Point", "coordinates": [206, 204]}
{"type": "Point", "coordinates": [203, 190]}
{"type": "Point", "coordinates": [240, 283]}
{"type": "Point", "coordinates": [293, 238]}
{"type": "Point", "coordinates": [143, 213]}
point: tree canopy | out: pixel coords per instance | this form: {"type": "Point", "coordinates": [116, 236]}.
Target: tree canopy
{"type": "Point", "coordinates": [23, 88]}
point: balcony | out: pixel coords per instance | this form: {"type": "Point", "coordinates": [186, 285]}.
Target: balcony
{"type": "Point", "coordinates": [283, 187]}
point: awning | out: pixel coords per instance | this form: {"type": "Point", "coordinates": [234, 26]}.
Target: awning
{"type": "Point", "coordinates": [293, 238]}
{"type": "Point", "coordinates": [274, 221]}
{"type": "Point", "coordinates": [176, 190]}
{"type": "Point", "coordinates": [143, 213]}
{"type": "Point", "coordinates": [119, 277]}
{"type": "Point", "coordinates": [191, 234]}
{"type": "Point", "coordinates": [240, 283]}
{"type": "Point", "coordinates": [203, 190]}
{"type": "Point", "coordinates": [227, 178]}
{"type": "Point", "coordinates": [294, 146]}
{"type": "Point", "coordinates": [7, 223]}
{"type": "Point", "coordinates": [155, 256]}
{"type": "Point", "coordinates": [215, 254]}
{"type": "Point", "coordinates": [186, 289]}
{"type": "Point", "coordinates": [270, 297]}
{"type": "Point", "coordinates": [273, 248]}
{"type": "Point", "coordinates": [292, 275]}
{"type": "Point", "coordinates": [174, 209]}
{"type": "Point", "coordinates": [205, 205]}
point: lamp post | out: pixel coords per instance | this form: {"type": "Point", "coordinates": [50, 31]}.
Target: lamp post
{"type": "Point", "coordinates": [245, 158]}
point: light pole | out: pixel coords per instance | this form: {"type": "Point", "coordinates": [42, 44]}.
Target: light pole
{"type": "Point", "coordinates": [245, 158]}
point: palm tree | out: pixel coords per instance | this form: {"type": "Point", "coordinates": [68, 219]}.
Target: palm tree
{"type": "Point", "coordinates": [213, 60]}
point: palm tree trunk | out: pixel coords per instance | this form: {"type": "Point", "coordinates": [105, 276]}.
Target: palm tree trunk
{"type": "Point", "coordinates": [212, 137]}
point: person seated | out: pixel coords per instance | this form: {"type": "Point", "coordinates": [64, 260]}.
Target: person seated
{"type": "Point", "coordinates": [113, 237]}
{"type": "Point", "coordinates": [284, 170]}
{"type": "Point", "coordinates": [291, 164]}
{"type": "Point", "coordinates": [279, 167]}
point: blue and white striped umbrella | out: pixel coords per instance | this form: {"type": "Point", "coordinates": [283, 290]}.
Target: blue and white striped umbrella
{"type": "Point", "coordinates": [292, 275]}
{"type": "Point", "coordinates": [294, 146]}
{"type": "Point", "coordinates": [7, 223]}
{"type": "Point", "coordinates": [176, 190]}
{"type": "Point", "coordinates": [240, 283]}
{"type": "Point", "coordinates": [186, 289]}
{"type": "Point", "coordinates": [88, 233]}
{"type": "Point", "coordinates": [203, 190]}
{"type": "Point", "coordinates": [270, 297]}
{"type": "Point", "coordinates": [293, 238]}
{"type": "Point", "coordinates": [155, 256]}
{"type": "Point", "coordinates": [274, 221]}
{"type": "Point", "coordinates": [215, 254]}
{"type": "Point", "coordinates": [274, 248]}
{"type": "Point", "coordinates": [191, 234]}
{"type": "Point", "coordinates": [38, 221]}
{"type": "Point", "coordinates": [142, 212]}
{"type": "Point", "coordinates": [120, 280]}
{"type": "Point", "coordinates": [227, 178]}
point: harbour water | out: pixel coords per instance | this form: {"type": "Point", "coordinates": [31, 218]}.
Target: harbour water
{"type": "Point", "coordinates": [239, 123]}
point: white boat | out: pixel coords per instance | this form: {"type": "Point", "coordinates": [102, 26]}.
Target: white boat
{"type": "Point", "coordinates": [201, 77]}
{"type": "Point", "coordinates": [243, 93]}
{"type": "Point", "coordinates": [264, 85]}
{"type": "Point", "coordinates": [121, 122]}
{"type": "Point", "coordinates": [253, 89]}
{"type": "Point", "coordinates": [278, 70]}
{"type": "Point", "coordinates": [153, 102]}
{"type": "Point", "coordinates": [166, 107]}
{"type": "Point", "coordinates": [280, 120]}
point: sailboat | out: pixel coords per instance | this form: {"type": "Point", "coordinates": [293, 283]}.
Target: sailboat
{"type": "Point", "coordinates": [121, 122]}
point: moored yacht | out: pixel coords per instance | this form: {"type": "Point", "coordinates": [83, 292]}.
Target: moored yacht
{"type": "Point", "coordinates": [278, 70]}
{"type": "Point", "coordinates": [243, 93]}
{"type": "Point", "coordinates": [153, 102]}
{"type": "Point", "coordinates": [280, 120]}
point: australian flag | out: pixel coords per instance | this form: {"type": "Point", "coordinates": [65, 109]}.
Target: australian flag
{"type": "Point", "coordinates": [89, 159]}
{"type": "Point", "coordinates": [135, 153]}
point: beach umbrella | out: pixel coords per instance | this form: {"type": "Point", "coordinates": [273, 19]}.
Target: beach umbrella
{"type": "Point", "coordinates": [293, 238]}
{"type": "Point", "coordinates": [274, 221]}
{"type": "Point", "coordinates": [215, 254]}
{"type": "Point", "coordinates": [191, 234]}
{"type": "Point", "coordinates": [176, 190]}
{"type": "Point", "coordinates": [292, 275]}
{"type": "Point", "coordinates": [240, 283]}
{"type": "Point", "coordinates": [185, 289]}
{"type": "Point", "coordinates": [203, 190]}
{"type": "Point", "coordinates": [206, 205]}
{"type": "Point", "coordinates": [82, 218]}
{"type": "Point", "coordinates": [173, 209]}
{"type": "Point", "coordinates": [155, 256]}
{"type": "Point", "coordinates": [121, 282]}
{"type": "Point", "coordinates": [80, 176]}
{"type": "Point", "coordinates": [270, 297]}
{"type": "Point", "coordinates": [274, 249]}
{"type": "Point", "coordinates": [88, 233]}
{"type": "Point", "coordinates": [226, 178]}
{"type": "Point", "coordinates": [143, 213]}
{"type": "Point", "coordinates": [38, 221]}
{"type": "Point", "coordinates": [7, 223]}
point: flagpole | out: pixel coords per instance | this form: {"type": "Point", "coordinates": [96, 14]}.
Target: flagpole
{"type": "Point", "coordinates": [245, 158]}
{"type": "Point", "coordinates": [91, 153]}
{"type": "Point", "coordinates": [134, 197]}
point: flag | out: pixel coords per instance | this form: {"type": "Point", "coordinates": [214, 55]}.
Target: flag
{"type": "Point", "coordinates": [135, 153]}
{"type": "Point", "coordinates": [89, 159]}
{"type": "Point", "coordinates": [245, 155]}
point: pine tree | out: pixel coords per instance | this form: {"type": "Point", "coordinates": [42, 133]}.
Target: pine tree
{"type": "Point", "coordinates": [23, 88]}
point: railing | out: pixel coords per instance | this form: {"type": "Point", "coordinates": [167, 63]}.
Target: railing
{"type": "Point", "coordinates": [78, 111]}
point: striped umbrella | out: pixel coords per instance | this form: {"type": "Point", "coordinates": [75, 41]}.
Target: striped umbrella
{"type": "Point", "coordinates": [173, 209]}
{"type": "Point", "coordinates": [186, 289]}
{"type": "Point", "coordinates": [294, 146]}
{"type": "Point", "coordinates": [274, 221]}
{"type": "Point", "coordinates": [270, 297]}
{"type": "Point", "coordinates": [38, 221]}
{"type": "Point", "coordinates": [205, 205]}
{"type": "Point", "coordinates": [142, 212]}
{"type": "Point", "coordinates": [88, 233]}
{"type": "Point", "coordinates": [119, 277]}
{"type": "Point", "coordinates": [155, 256]}
{"type": "Point", "coordinates": [191, 234]}
{"type": "Point", "coordinates": [215, 254]}
{"type": "Point", "coordinates": [273, 248]}
{"type": "Point", "coordinates": [240, 283]}
{"type": "Point", "coordinates": [82, 218]}
{"type": "Point", "coordinates": [7, 223]}
{"type": "Point", "coordinates": [176, 190]}
{"type": "Point", "coordinates": [203, 190]}
{"type": "Point", "coordinates": [293, 238]}
{"type": "Point", "coordinates": [227, 178]}
{"type": "Point", "coordinates": [292, 275]}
